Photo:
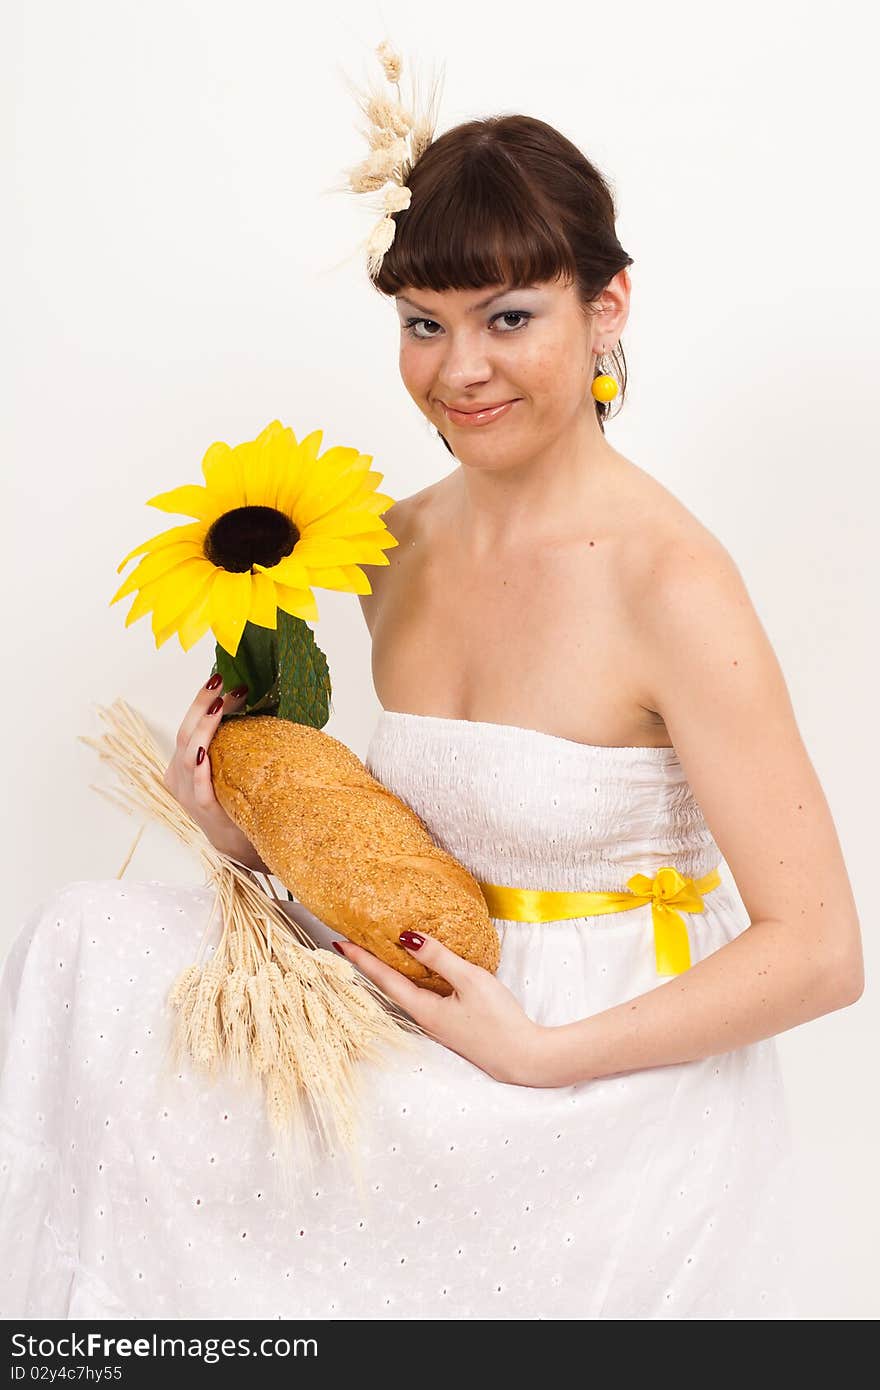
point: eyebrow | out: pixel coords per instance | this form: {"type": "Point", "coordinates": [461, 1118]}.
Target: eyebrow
{"type": "Point", "coordinates": [483, 303]}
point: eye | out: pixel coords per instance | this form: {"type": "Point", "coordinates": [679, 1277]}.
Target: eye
{"type": "Point", "coordinates": [524, 314]}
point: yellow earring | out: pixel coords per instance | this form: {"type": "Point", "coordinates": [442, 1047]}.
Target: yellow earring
{"type": "Point", "coordinates": [604, 387]}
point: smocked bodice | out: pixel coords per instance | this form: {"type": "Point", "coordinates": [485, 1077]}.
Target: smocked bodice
{"type": "Point", "coordinates": [532, 810]}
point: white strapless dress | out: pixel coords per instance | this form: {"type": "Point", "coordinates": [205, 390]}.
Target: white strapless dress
{"type": "Point", "coordinates": [668, 1192]}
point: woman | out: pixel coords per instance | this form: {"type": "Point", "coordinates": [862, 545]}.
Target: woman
{"type": "Point", "coordinates": [576, 689]}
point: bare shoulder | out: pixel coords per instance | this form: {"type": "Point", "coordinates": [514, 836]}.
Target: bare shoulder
{"type": "Point", "coordinates": [406, 520]}
{"type": "Point", "coordinates": [687, 605]}
{"type": "Point", "coordinates": [668, 548]}
{"type": "Point", "coordinates": [675, 577]}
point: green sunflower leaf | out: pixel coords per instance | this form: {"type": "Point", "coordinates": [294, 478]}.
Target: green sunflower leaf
{"type": "Point", "coordinates": [255, 665]}
{"type": "Point", "coordinates": [303, 674]}
{"type": "Point", "coordinates": [286, 672]}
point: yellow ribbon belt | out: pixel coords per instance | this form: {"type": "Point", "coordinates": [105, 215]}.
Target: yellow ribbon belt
{"type": "Point", "coordinates": [666, 891]}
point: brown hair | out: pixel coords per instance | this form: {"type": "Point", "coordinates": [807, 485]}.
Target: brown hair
{"type": "Point", "coordinates": [506, 199]}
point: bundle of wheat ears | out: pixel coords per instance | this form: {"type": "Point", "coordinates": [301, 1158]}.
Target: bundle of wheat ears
{"type": "Point", "coordinates": [268, 1001]}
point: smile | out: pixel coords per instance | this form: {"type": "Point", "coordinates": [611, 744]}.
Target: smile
{"type": "Point", "coordinates": [479, 417]}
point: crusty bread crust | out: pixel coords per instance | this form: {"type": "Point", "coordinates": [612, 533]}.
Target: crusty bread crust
{"type": "Point", "coordinates": [352, 852]}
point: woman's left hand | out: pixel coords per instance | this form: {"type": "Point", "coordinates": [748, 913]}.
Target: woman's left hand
{"type": "Point", "coordinates": [481, 1020]}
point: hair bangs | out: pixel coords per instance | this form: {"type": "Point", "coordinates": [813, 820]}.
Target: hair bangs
{"type": "Point", "coordinates": [477, 230]}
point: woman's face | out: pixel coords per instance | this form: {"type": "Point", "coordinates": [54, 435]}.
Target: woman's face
{"type": "Point", "coordinates": [533, 346]}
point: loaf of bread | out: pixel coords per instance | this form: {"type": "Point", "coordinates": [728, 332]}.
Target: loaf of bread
{"type": "Point", "coordinates": [351, 851]}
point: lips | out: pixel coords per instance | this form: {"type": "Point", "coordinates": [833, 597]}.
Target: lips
{"type": "Point", "coordinates": [477, 419]}
{"type": "Point", "coordinates": [470, 409]}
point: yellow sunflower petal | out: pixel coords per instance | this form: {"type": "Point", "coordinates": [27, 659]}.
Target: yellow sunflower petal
{"type": "Point", "coordinates": [194, 626]}
{"type": "Point", "coordinates": [364, 487]}
{"type": "Point", "coordinates": [348, 522]}
{"type": "Point", "coordinates": [348, 578]}
{"type": "Point", "coordinates": [147, 597]}
{"type": "Point", "coordinates": [269, 464]}
{"type": "Point", "coordinates": [382, 540]}
{"type": "Point", "coordinates": [230, 605]}
{"type": "Point", "coordinates": [274, 431]}
{"type": "Point", "coordinates": [327, 550]}
{"type": "Point", "coordinates": [264, 609]}
{"type": "Point", "coordinates": [290, 485]}
{"type": "Point", "coordinates": [190, 500]}
{"type": "Point", "coordinates": [376, 502]}
{"type": "Point", "coordinates": [387, 503]}
{"type": "Point", "coordinates": [260, 482]}
{"type": "Point", "coordinates": [301, 469]}
{"type": "Point", "coordinates": [194, 530]}
{"type": "Point", "coordinates": [158, 562]}
{"type": "Point", "coordinates": [369, 548]}
{"type": "Point", "coordinates": [290, 570]}
{"type": "Point", "coordinates": [222, 470]}
{"type": "Point", "coordinates": [329, 483]}
{"type": "Point", "coordinates": [179, 589]}
{"type": "Point", "coordinates": [142, 604]}
{"type": "Point", "coordinates": [321, 496]}
{"type": "Point", "coordinates": [360, 583]}
{"type": "Point", "coordinates": [193, 603]}
{"type": "Point", "coordinates": [298, 602]}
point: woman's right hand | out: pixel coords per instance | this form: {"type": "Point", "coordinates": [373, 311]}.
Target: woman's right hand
{"type": "Point", "coordinates": [188, 775]}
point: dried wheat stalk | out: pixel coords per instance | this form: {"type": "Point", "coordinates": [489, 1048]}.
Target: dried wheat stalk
{"type": "Point", "coordinates": [269, 1002]}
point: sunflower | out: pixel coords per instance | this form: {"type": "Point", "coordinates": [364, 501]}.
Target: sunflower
{"type": "Point", "coordinates": [273, 519]}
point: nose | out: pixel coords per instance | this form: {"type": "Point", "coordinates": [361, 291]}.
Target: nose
{"type": "Point", "coordinates": [465, 365]}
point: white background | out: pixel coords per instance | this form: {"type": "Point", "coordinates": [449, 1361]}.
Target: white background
{"type": "Point", "coordinates": [176, 273]}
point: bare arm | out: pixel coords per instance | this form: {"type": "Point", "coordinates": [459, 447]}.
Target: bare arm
{"type": "Point", "coordinates": [244, 853]}
{"type": "Point", "coordinates": [724, 700]}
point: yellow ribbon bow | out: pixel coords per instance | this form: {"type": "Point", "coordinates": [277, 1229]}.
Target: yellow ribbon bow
{"type": "Point", "coordinates": [666, 891]}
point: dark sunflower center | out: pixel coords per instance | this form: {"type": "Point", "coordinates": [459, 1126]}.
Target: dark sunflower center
{"type": "Point", "coordinates": [248, 535]}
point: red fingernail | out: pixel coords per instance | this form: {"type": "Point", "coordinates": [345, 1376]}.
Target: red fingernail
{"type": "Point", "coordinates": [411, 939]}
{"type": "Point", "coordinates": [215, 681]}
{"type": "Point", "coordinates": [336, 946]}
{"type": "Point", "coordinates": [199, 757]}
{"type": "Point", "coordinates": [215, 705]}
{"type": "Point", "coordinates": [237, 693]}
